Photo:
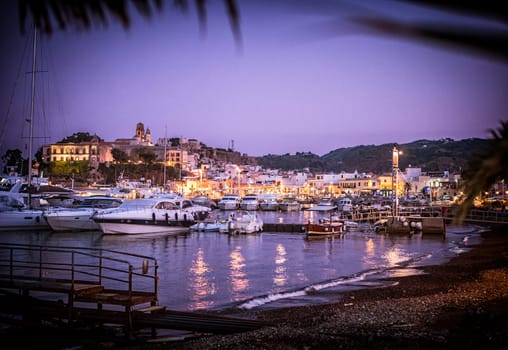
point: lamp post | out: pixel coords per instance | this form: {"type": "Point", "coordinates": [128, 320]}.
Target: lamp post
{"type": "Point", "coordinates": [239, 174]}
{"type": "Point", "coordinates": [395, 180]}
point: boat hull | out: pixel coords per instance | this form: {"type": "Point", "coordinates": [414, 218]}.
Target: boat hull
{"type": "Point", "coordinates": [269, 206]}
{"type": "Point", "coordinates": [131, 227]}
{"type": "Point", "coordinates": [23, 220]}
{"type": "Point", "coordinates": [71, 221]}
{"type": "Point", "coordinates": [324, 229]}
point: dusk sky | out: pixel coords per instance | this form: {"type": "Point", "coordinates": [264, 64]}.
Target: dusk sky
{"type": "Point", "coordinates": [305, 79]}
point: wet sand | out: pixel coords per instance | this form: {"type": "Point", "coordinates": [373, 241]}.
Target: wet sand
{"type": "Point", "coordinates": [462, 304]}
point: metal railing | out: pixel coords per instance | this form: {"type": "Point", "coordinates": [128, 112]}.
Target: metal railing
{"type": "Point", "coordinates": [109, 268]}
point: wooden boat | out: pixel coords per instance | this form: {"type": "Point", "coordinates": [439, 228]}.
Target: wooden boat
{"type": "Point", "coordinates": [325, 228]}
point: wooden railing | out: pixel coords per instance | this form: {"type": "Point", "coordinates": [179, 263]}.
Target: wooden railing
{"type": "Point", "coordinates": [474, 216]}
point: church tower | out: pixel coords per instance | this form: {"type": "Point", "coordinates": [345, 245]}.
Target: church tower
{"type": "Point", "coordinates": [148, 137]}
{"type": "Point", "coordinates": [140, 132]}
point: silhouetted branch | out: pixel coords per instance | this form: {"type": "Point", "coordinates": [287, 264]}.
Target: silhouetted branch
{"type": "Point", "coordinates": [82, 14]}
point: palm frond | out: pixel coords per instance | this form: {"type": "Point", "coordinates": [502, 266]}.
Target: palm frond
{"type": "Point", "coordinates": [485, 169]}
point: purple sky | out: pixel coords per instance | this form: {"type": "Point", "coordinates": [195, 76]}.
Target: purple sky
{"type": "Point", "coordinates": [295, 87]}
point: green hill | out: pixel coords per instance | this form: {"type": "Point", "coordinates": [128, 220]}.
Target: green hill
{"type": "Point", "coordinates": [440, 155]}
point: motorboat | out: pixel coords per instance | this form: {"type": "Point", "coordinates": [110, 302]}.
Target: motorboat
{"type": "Point", "coordinates": [345, 204]}
{"type": "Point", "coordinates": [249, 202]}
{"type": "Point", "coordinates": [328, 225]}
{"type": "Point", "coordinates": [204, 201]}
{"type": "Point", "coordinates": [241, 222]}
{"type": "Point", "coordinates": [211, 224]}
{"type": "Point", "coordinates": [324, 228]}
{"type": "Point", "coordinates": [347, 225]}
{"type": "Point", "coordinates": [151, 215]}
{"type": "Point", "coordinates": [289, 204]}
{"type": "Point", "coordinates": [269, 203]}
{"type": "Point", "coordinates": [15, 215]}
{"type": "Point", "coordinates": [79, 218]}
{"type": "Point", "coordinates": [229, 202]}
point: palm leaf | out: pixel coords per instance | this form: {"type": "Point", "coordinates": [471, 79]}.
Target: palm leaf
{"type": "Point", "coordinates": [485, 169]}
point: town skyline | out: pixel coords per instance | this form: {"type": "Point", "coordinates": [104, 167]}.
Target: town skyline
{"type": "Point", "coordinates": [294, 87]}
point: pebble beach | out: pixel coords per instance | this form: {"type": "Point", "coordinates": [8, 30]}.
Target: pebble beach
{"type": "Point", "coordinates": [462, 304]}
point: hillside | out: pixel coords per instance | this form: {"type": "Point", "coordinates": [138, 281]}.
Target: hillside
{"type": "Point", "coordinates": [445, 154]}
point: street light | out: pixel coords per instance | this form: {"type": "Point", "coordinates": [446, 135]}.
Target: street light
{"type": "Point", "coordinates": [395, 180]}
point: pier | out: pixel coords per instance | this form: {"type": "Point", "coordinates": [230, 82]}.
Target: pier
{"type": "Point", "coordinates": [70, 287]}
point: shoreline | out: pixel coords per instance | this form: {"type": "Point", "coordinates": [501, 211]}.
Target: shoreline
{"type": "Point", "coordinates": [460, 304]}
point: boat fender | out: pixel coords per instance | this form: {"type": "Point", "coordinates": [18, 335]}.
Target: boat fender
{"type": "Point", "coordinates": [185, 217]}
{"type": "Point", "coordinates": [37, 219]}
{"type": "Point", "coordinates": [153, 217]}
{"type": "Point", "coordinates": [144, 267]}
{"type": "Point", "coordinates": [176, 216]}
{"type": "Point", "coordinates": [166, 216]}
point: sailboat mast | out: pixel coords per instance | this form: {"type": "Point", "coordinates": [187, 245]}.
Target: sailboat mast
{"type": "Point", "coordinates": [31, 120]}
{"type": "Point", "coordinates": [165, 156]}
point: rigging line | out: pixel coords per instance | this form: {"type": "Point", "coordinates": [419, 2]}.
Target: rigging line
{"type": "Point", "coordinates": [56, 92]}
{"type": "Point", "coordinates": [11, 98]}
{"type": "Point", "coordinates": [44, 95]}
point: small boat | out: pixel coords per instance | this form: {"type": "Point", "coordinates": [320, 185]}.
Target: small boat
{"type": "Point", "coordinates": [289, 204]}
{"type": "Point", "coordinates": [80, 217]}
{"type": "Point", "coordinates": [330, 225]}
{"type": "Point", "coordinates": [325, 228]}
{"type": "Point", "coordinates": [151, 215]}
{"type": "Point", "coordinates": [229, 202]}
{"type": "Point", "coordinates": [206, 226]}
{"type": "Point", "coordinates": [243, 222]}
{"type": "Point", "coordinates": [249, 202]}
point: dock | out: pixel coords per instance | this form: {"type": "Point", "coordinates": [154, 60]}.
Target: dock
{"type": "Point", "coordinates": [70, 287]}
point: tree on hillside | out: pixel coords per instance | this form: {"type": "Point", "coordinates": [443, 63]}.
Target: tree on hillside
{"type": "Point", "coordinates": [485, 169]}
{"type": "Point", "coordinates": [79, 137]}
{"type": "Point", "coordinates": [119, 156]}
{"type": "Point", "coordinates": [147, 157]}
{"type": "Point", "coordinates": [13, 158]}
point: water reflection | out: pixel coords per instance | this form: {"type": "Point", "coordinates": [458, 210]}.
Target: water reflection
{"type": "Point", "coordinates": [199, 285]}
{"type": "Point", "coordinates": [395, 256]}
{"type": "Point", "coordinates": [239, 281]}
{"type": "Point", "coordinates": [280, 277]}
{"type": "Point", "coordinates": [370, 251]}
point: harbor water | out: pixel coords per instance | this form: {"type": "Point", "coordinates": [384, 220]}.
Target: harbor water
{"type": "Point", "coordinates": [213, 271]}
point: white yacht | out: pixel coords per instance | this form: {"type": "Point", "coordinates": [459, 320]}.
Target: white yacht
{"type": "Point", "coordinates": [15, 215]}
{"type": "Point", "coordinates": [229, 202]}
{"type": "Point", "coordinates": [80, 217]}
{"type": "Point", "coordinates": [249, 202]}
{"type": "Point", "coordinates": [151, 215]}
{"type": "Point", "coordinates": [289, 204]}
{"type": "Point", "coordinates": [269, 202]}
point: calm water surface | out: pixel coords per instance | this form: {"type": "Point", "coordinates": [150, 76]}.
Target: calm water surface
{"type": "Point", "coordinates": [203, 270]}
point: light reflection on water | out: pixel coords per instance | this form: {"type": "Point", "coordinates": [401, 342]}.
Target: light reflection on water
{"type": "Point", "coordinates": [239, 280]}
{"type": "Point", "coordinates": [213, 270]}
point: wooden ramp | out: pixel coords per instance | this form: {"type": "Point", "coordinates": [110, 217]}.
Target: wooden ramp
{"type": "Point", "coordinates": [71, 286]}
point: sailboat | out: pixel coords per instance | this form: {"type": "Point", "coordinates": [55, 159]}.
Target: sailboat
{"type": "Point", "coordinates": [14, 214]}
